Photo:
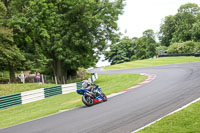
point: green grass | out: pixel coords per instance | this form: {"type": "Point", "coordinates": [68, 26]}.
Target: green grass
{"type": "Point", "coordinates": [7, 89]}
{"type": "Point", "coordinates": [116, 83]}
{"type": "Point", "coordinates": [154, 62]}
{"type": "Point", "coordinates": [5, 75]}
{"type": "Point", "coordinates": [34, 110]}
{"type": "Point", "coordinates": [184, 121]}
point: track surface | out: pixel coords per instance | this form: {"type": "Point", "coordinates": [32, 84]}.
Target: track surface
{"type": "Point", "coordinates": [175, 86]}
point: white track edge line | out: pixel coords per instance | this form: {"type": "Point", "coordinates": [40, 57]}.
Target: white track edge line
{"type": "Point", "coordinates": [198, 99]}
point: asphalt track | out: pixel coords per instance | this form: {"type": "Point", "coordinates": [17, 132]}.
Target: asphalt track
{"type": "Point", "coordinates": [175, 86]}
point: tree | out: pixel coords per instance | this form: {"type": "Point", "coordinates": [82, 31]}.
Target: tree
{"type": "Point", "coordinates": [122, 51]}
{"type": "Point", "coordinates": [10, 55]}
{"type": "Point", "coordinates": [140, 52]}
{"type": "Point", "coordinates": [146, 45]}
{"type": "Point", "coordinates": [131, 49]}
{"type": "Point", "coordinates": [196, 32]}
{"type": "Point", "coordinates": [71, 33]}
{"type": "Point", "coordinates": [166, 30]}
{"type": "Point", "coordinates": [150, 42]}
{"type": "Point", "coordinates": [178, 28]}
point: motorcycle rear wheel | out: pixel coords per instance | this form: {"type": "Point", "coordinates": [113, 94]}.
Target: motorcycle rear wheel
{"type": "Point", "coordinates": [87, 100]}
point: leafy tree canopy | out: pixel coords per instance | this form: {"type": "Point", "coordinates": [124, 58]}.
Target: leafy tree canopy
{"type": "Point", "coordinates": [181, 27]}
{"type": "Point", "coordinates": [69, 33]}
{"type": "Point", "coordinates": [122, 51]}
{"type": "Point", "coordinates": [131, 49]}
{"type": "Point", "coordinates": [11, 57]}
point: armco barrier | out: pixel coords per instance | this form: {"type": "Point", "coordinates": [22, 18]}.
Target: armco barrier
{"type": "Point", "coordinates": [39, 94]}
{"type": "Point", "coordinates": [175, 55]}
{"type": "Point", "coordinates": [52, 91]}
{"type": "Point", "coordinates": [79, 85]}
{"type": "Point", "coordinates": [33, 95]}
{"type": "Point", "coordinates": [67, 88]}
{"type": "Point", "coordinates": [10, 100]}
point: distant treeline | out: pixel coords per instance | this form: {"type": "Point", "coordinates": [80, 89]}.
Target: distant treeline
{"type": "Point", "coordinates": [179, 33]}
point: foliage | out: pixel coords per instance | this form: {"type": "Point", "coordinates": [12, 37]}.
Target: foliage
{"type": "Point", "coordinates": [185, 47]}
{"type": "Point", "coordinates": [68, 34]}
{"type": "Point", "coordinates": [3, 9]}
{"type": "Point", "coordinates": [145, 46]}
{"type": "Point", "coordinates": [196, 31]}
{"type": "Point", "coordinates": [183, 26]}
{"type": "Point", "coordinates": [58, 35]}
{"type": "Point", "coordinates": [122, 51]}
{"type": "Point", "coordinates": [11, 57]}
{"type": "Point", "coordinates": [132, 49]}
{"type": "Point", "coordinates": [166, 30]}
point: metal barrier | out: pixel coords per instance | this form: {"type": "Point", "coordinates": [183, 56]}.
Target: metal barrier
{"type": "Point", "coordinates": [10, 100]}
{"type": "Point", "coordinates": [68, 88]}
{"type": "Point", "coordinates": [39, 94]}
{"type": "Point", "coordinates": [52, 91]}
{"type": "Point", "coordinates": [79, 85]}
{"type": "Point", "coordinates": [33, 95]}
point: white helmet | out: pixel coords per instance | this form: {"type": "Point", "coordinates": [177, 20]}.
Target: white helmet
{"type": "Point", "coordinates": [85, 84]}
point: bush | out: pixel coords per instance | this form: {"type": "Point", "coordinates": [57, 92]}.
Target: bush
{"type": "Point", "coordinates": [174, 48]}
{"type": "Point", "coordinates": [133, 58]}
{"type": "Point", "coordinates": [197, 47]}
{"type": "Point", "coordinates": [184, 48]}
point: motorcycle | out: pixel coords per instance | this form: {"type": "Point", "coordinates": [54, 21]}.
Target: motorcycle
{"type": "Point", "coordinates": [92, 94]}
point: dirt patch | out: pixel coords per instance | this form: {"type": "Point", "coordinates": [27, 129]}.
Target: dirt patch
{"type": "Point", "coordinates": [71, 101]}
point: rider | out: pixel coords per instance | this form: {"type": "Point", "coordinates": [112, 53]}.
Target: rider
{"type": "Point", "coordinates": [90, 87]}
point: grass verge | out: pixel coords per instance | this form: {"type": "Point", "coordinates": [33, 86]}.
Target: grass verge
{"type": "Point", "coordinates": [7, 89]}
{"type": "Point", "coordinates": [184, 121]}
{"type": "Point", "coordinates": [154, 62]}
{"type": "Point", "coordinates": [34, 110]}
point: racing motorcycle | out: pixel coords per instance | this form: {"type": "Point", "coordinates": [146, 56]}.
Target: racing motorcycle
{"type": "Point", "coordinates": [92, 94]}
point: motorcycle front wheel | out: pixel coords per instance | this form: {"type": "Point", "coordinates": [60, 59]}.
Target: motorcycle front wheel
{"type": "Point", "coordinates": [87, 100]}
{"type": "Point", "coordinates": [104, 97]}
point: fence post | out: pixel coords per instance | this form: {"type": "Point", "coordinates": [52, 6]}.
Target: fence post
{"type": "Point", "coordinates": [42, 79]}
{"type": "Point", "coordinates": [56, 80]}
{"type": "Point", "coordinates": [63, 79]}
{"type": "Point", "coordinates": [70, 78]}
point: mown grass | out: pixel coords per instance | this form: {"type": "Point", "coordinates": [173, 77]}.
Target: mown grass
{"type": "Point", "coordinates": [7, 89]}
{"type": "Point", "coordinates": [116, 83]}
{"type": "Point", "coordinates": [154, 62]}
{"type": "Point", "coordinates": [184, 121]}
{"type": "Point", "coordinates": [34, 110]}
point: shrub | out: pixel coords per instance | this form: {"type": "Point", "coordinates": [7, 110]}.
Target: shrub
{"type": "Point", "coordinates": [183, 48]}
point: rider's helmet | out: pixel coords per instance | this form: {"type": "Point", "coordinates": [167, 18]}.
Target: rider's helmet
{"type": "Point", "coordinates": [86, 84]}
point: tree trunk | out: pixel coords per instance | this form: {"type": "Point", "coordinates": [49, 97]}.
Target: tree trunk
{"type": "Point", "coordinates": [12, 74]}
{"type": "Point", "coordinates": [59, 71]}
